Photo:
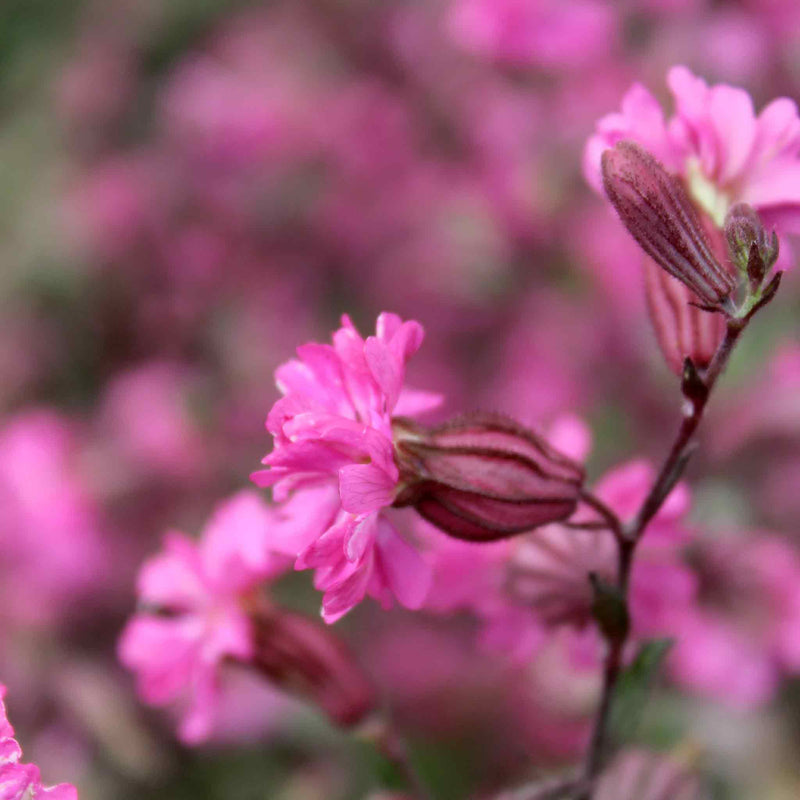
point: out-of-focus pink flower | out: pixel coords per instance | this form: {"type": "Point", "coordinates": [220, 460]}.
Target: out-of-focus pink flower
{"type": "Point", "coordinates": [549, 569]}
{"type": "Point", "coordinates": [23, 781]}
{"type": "Point", "coordinates": [542, 32]}
{"type": "Point", "coordinates": [333, 460]}
{"type": "Point", "coordinates": [51, 530]}
{"type": "Point", "coordinates": [110, 207]}
{"type": "Point", "coordinates": [228, 115]}
{"type": "Point", "coordinates": [199, 593]}
{"type": "Point", "coordinates": [533, 382]}
{"type": "Point", "coordinates": [766, 408]}
{"type": "Point", "coordinates": [146, 416]}
{"type": "Point", "coordinates": [715, 142]}
{"type": "Point", "coordinates": [526, 588]}
{"type": "Point", "coordinates": [743, 634]}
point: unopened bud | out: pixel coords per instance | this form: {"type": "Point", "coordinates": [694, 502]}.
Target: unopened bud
{"type": "Point", "coordinates": [657, 212]}
{"type": "Point", "coordinates": [304, 657]}
{"type": "Point", "coordinates": [752, 249]}
{"type": "Point", "coordinates": [484, 477]}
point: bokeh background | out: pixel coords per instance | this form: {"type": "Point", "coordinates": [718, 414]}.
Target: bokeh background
{"type": "Point", "coordinates": [192, 188]}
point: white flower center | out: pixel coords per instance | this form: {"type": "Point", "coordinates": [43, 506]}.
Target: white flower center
{"type": "Point", "coordinates": [706, 193]}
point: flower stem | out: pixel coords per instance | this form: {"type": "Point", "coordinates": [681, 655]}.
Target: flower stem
{"type": "Point", "coordinates": [628, 536]}
{"type": "Point", "coordinates": [392, 746]}
{"type": "Point", "coordinates": [675, 462]}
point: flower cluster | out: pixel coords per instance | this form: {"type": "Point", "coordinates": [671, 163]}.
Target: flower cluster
{"type": "Point", "coordinates": [230, 177]}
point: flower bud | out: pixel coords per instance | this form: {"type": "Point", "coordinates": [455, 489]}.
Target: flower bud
{"type": "Point", "coordinates": [655, 209]}
{"type": "Point", "coordinates": [753, 250]}
{"type": "Point", "coordinates": [304, 657]}
{"type": "Point", "coordinates": [484, 477]}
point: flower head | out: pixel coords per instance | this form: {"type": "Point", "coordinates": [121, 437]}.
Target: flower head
{"type": "Point", "coordinates": [194, 612]}
{"type": "Point", "coordinates": [23, 781]}
{"type": "Point", "coordinates": [333, 460]}
{"type": "Point", "coordinates": [54, 553]}
{"type": "Point", "coordinates": [714, 141]}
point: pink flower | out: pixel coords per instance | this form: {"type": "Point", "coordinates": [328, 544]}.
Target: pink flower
{"type": "Point", "coordinates": [525, 589]}
{"type": "Point", "coordinates": [52, 537]}
{"type": "Point", "coordinates": [23, 781]}
{"type": "Point", "coordinates": [146, 415]}
{"type": "Point", "coordinates": [194, 613]}
{"type": "Point", "coordinates": [549, 572]}
{"type": "Point", "coordinates": [743, 634]}
{"type": "Point", "coordinates": [333, 462]}
{"type": "Point", "coordinates": [722, 154]}
{"type": "Point", "coordinates": [715, 142]}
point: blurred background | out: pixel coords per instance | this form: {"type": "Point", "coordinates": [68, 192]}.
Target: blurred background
{"type": "Point", "coordinates": [190, 189]}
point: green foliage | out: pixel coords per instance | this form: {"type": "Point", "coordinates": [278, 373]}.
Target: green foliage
{"type": "Point", "coordinates": [633, 690]}
{"type": "Point", "coordinates": [29, 29]}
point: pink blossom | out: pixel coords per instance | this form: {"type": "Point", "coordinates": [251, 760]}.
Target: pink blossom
{"type": "Point", "coordinates": [51, 529]}
{"type": "Point", "coordinates": [200, 590]}
{"type": "Point", "coordinates": [146, 415]}
{"type": "Point", "coordinates": [724, 152]}
{"type": "Point", "coordinates": [549, 571]}
{"type": "Point", "coordinates": [333, 461]}
{"type": "Point", "coordinates": [235, 115]}
{"type": "Point", "coordinates": [743, 634]}
{"type": "Point", "coordinates": [527, 588]}
{"type": "Point", "coordinates": [23, 781]}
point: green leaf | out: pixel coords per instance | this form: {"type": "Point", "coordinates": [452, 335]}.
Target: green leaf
{"type": "Point", "coordinates": [633, 690]}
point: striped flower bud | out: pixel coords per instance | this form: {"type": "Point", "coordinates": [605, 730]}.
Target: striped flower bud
{"type": "Point", "coordinates": [657, 212]}
{"type": "Point", "coordinates": [484, 477]}
{"type": "Point", "coordinates": [683, 330]}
